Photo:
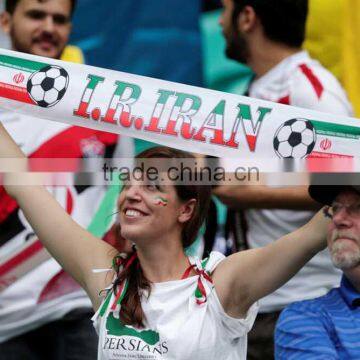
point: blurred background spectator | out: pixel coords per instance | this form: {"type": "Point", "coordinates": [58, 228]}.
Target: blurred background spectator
{"type": "Point", "coordinates": [333, 28]}
{"type": "Point", "coordinates": [268, 37]}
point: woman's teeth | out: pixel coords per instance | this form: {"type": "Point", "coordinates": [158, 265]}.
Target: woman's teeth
{"type": "Point", "coordinates": [133, 213]}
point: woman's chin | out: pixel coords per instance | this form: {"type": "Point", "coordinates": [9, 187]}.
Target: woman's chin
{"type": "Point", "coordinates": [132, 235]}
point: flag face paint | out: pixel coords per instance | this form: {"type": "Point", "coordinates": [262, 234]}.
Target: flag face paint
{"type": "Point", "coordinates": [175, 115]}
{"type": "Point", "coordinates": [161, 201]}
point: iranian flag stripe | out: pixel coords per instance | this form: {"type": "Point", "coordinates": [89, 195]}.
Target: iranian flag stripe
{"type": "Point", "coordinates": [327, 142]}
{"type": "Point", "coordinates": [21, 64]}
{"type": "Point", "coordinates": [14, 79]}
{"type": "Point", "coordinates": [16, 272]}
{"type": "Point", "coordinates": [329, 162]}
{"type": "Point", "coordinates": [336, 130]}
{"type": "Point", "coordinates": [21, 257]}
{"type": "Point", "coordinates": [25, 267]}
{"type": "Point", "coordinates": [13, 76]}
{"type": "Point", "coordinates": [318, 154]}
{"type": "Point", "coordinates": [329, 146]}
{"type": "Point", "coordinates": [17, 93]}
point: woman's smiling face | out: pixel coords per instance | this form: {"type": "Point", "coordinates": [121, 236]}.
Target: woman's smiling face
{"type": "Point", "coordinates": [150, 211]}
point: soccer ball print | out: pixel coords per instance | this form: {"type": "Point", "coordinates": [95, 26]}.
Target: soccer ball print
{"type": "Point", "coordinates": [295, 138]}
{"type": "Point", "coordinates": [47, 86]}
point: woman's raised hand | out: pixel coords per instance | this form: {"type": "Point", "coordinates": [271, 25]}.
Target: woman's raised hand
{"type": "Point", "coordinates": [73, 247]}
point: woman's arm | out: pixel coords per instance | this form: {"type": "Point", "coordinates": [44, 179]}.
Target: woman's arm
{"type": "Point", "coordinates": [74, 248]}
{"type": "Point", "coordinates": [245, 277]}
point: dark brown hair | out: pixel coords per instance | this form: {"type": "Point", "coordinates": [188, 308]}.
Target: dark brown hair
{"type": "Point", "coordinates": [131, 311]}
{"type": "Point", "coordinates": [10, 5]}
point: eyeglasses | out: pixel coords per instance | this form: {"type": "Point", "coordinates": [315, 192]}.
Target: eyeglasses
{"type": "Point", "coordinates": [352, 209]}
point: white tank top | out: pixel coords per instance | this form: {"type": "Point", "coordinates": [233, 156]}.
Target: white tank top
{"type": "Point", "coordinates": [181, 323]}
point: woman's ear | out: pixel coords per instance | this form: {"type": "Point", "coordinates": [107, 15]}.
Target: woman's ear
{"type": "Point", "coordinates": [187, 210]}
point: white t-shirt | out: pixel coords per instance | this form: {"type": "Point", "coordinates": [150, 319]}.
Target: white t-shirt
{"type": "Point", "coordinates": [45, 293]}
{"type": "Point", "coordinates": [176, 326]}
{"type": "Point", "coordinates": [299, 81]}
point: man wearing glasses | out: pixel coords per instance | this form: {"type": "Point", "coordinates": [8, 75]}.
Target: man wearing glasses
{"type": "Point", "coordinates": [328, 327]}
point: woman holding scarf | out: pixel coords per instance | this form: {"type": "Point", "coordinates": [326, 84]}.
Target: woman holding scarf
{"type": "Point", "coordinates": [157, 303]}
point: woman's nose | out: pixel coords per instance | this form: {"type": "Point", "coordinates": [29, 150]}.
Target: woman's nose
{"type": "Point", "coordinates": [133, 193]}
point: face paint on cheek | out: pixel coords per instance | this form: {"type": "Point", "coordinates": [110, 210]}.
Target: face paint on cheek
{"type": "Point", "coordinates": [160, 201]}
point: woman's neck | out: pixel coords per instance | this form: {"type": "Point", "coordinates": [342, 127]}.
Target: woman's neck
{"type": "Point", "coordinates": [161, 262]}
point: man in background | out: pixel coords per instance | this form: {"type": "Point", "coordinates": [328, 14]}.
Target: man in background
{"type": "Point", "coordinates": [267, 36]}
{"type": "Point", "coordinates": [43, 312]}
{"type": "Point", "coordinates": [328, 327]}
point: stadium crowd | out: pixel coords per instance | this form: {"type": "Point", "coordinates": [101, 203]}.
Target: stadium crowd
{"type": "Point", "coordinates": [45, 314]}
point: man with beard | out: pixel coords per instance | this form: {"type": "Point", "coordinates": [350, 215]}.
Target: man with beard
{"type": "Point", "coordinates": [38, 27]}
{"type": "Point", "coordinates": [267, 36]}
{"type": "Point", "coordinates": [43, 312]}
{"type": "Point", "coordinates": [329, 327]}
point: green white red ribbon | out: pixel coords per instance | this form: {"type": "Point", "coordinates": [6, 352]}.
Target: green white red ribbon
{"type": "Point", "coordinates": [200, 292]}
{"type": "Point", "coordinates": [121, 291]}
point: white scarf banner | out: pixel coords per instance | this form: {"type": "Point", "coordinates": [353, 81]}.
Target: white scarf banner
{"type": "Point", "coordinates": [171, 114]}
{"type": "Point", "coordinates": [176, 115]}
